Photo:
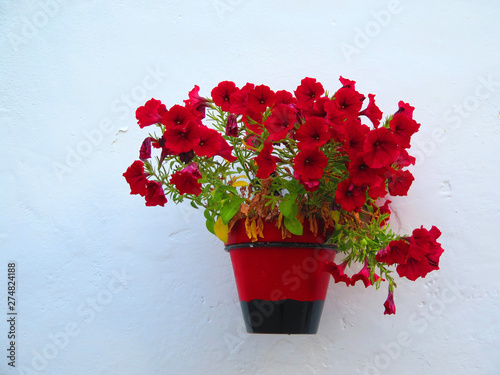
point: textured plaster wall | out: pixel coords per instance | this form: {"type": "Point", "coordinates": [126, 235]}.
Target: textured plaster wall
{"type": "Point", "coordinates": [108, 286]}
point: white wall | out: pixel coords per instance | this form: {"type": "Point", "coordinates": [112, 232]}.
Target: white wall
{"type": "Point", "coordinates": [166, 299]}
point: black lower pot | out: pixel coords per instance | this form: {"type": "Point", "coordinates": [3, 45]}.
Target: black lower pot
{"type": "Point", "coordinates": [286, 316]}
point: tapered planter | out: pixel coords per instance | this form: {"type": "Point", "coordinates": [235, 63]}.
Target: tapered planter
{"type": "Point", "coordinates": [282, 283]}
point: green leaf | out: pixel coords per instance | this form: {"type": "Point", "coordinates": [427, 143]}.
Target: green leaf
{"type": "Point", "coordinates": [230, 209]}
{"type": "Point", "coordinates": [232, 190]}
{"type": "Point", "coordinates": [293, 225]}
{"type": "Point", "coordinates": [194, 204]}
{"type": "Point", "coordinates": [218, 195]}
{"type": "Point", "coordinates": [293, 186]}
{"type": "Point", "coordinates": [288, 207]}
{"type": "Point", "coordinates": [210, 225]}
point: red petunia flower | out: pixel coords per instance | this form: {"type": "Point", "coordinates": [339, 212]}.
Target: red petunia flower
{"type": "Point", "coordinates": [377, 190]}
{"type": "Point", "coordinates": [424, 254]}
{"type": "Point", "coordinates": [154, 194]}
{"type": "Point", "coordinates": [348, 101]}
{"type": "Point", "coordinates": [347, 82]}
{"type": "Point", "coordinates": [318, 109]}
{"type": "Point", "coordinates": [239, 99]}
{"type": "Point", "coordinates": [160, 143]}
{"type": "Point", "coordinates": [337, 271]}
{"type": "Point", "coordinates": [395, 252]}
{"type": "Point", "coordinates": [182, 139]}
{"type": "Point", "coordinates": [280, 122]}
{"type": "Point", "coordinates": [221, 95]}
{"type": "Point", "coordinates": [260, 98]}
{"type": "Point", "coordinates": [208, 144]}
{"type": "Point", "coordinates": [390, 307]}
{"type": "Point", "coordinates": [193, 170]}
{"type": "Point", "coordinates": [434, 256]}
{"type": "Point", "coordinates": [309, 185]}
{"type": "Point", "coordinates": [380, 148]}
{"type": "Point", "coordinates": [372, 111]}
{"type": "Point", "coordinates": [435, 233]}
{"type": "Point", "coordinates": [334, 115]}
{"type": "Point", "coordinates": [186, 157]}
{"type": "Point", "coordinates": [285, 97]}
{"type": "Point", "coordinates": [385, 209]}
{"type": "Point", "coordinates": [349, 196]}
{"type": "Point", "coordinates": [364, 276]}
{"type": "Point", "coordinates": [177, 116]}
{"type": "Point", "coordinates": [360, 173]}
{"type": "Point", "coordinates": [405, 109]}
{"type": "Point", "coordinates": [266, 161]}
{"type": "Point", "coordinates": [196, 101]}
{"type": "Point", "coordinates": [150, 113]}
{"type": "Point", "coordinates": [186, 180]}
{"type": "Point", "coordinates": [400, 182]}
{"type": "Point", "coordinates": [310, 164]}
{"type": "Point", "coordinates": [354, 136]}
{"type": "Point", "coordinates": [404, 159]}
{"type": "Point", "coordinates": [145, 151]}
{"type": "Point", "coordinates": [403, 128]}
{"type": "Point", "coordinates": [253, 121]}
{"type": "Point", "coordinates": [232, 125]}
{"type": "Point", "coordinates": [424, 241]}
{"type": "Point", "coordinates": [314, 133]}
{"type": "Point", "coordinates": [226, 150]}
{"type": "Point", "coordinates": [308, 92]}
{"type": "Point", "coordinates": [414, 268]}
{"type": "Point", "coordinates": [136, 178]}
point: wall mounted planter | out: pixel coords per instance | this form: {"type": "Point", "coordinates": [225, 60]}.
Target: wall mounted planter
{"type": "Point", "coordinates": [282, 283]}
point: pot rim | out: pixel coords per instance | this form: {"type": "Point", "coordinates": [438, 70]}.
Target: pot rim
{"type": "Point", "coordinates": [304, 245]}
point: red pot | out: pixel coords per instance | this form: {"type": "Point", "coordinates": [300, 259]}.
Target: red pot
{"type": "Point", "coordinates": [282, 283]}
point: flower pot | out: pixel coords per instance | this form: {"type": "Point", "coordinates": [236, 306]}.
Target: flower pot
{"type": "Point", "coordinates": [282, 283]}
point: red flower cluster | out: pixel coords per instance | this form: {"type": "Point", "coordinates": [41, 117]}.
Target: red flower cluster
{"type": "Point", "coordinates": [186, 180]}
{"type": "Point", "coordinates": [337, 271]}
{"type": "Point", "coordinates": [415, 256]}
{"type": "Point", "coordinates": [376, 156]}
{"type": "Point", "coordinates": [139, 184]}
{"type": "Point", "coordinates": [184, 132]}
{"type": "Point", "coordinates": [184, 136]}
